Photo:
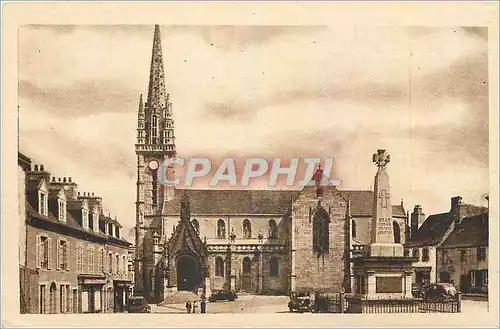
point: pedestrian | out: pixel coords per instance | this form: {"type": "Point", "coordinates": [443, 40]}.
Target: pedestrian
{"type": "Point", "coordinates": [203, 306]}
{"type": "Point", "coordinates": [188, 306]}
{"type": "Point", "coordinates": [194, 307]}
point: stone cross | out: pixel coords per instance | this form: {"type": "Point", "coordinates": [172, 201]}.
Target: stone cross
{"type": "Point", "coordinates": [381, 158]}
{"type": "Point", "coordinates": [384, 198]}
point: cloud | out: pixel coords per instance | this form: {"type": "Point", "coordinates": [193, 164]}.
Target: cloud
{"type": "Point", "coordinates": [244, 91]}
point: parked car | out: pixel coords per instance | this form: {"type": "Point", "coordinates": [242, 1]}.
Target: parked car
{"type": "Point", "coordinates": [301, 302]}
{"type": "Point", "coordinates": [229, 295]}
{"type": "Point", "coordinates": [440, 292]}
{"type": "Point", "coordinates": [138, 304]}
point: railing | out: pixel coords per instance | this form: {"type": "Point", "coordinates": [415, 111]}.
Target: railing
{"type": "Point", "coordinates": [339, 303]}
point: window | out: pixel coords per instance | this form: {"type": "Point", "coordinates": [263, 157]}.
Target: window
{"type": "Point", "coordinates": [42, 300]}
{"type": "Point", "coordinates": [247, 229]}
{"type": "Point", "coordinates": [219, 267]}
{"type": "Point", "coordinates": [481, 254]}
{"type": "Point", "coordinates": [101, 260]}
{"type": "Point", "coordinates": [62, 255]}
{"type": "Point", "coordinates": [397, 232]}
{"type": "Point", "coordinates": [117, 264]}
{"type": "Point", "coordinates": [90, 259]}
{"type": "Point", "coordinates": [273, 229]}
{"type": "Point", "coordinates": [85, 218]}
{"type": "Point", "coordinates": [68, 299]}
{"type": "Point", "coordinates": [445, 258]}
{"type": "Point", "coordinates": [124, 265]}
{"type": "Point", "coordinates": [444, 277]}
{"type": "Point", "coordinates": [416, 253]}
{"type": "Point", "coordinates": [247, 265]}
{"type": "Point", "coordinates": [463, 255]}
{"type": "Point", "coordinates": [321, 232]}
{"type": "Point", "coordinates": [407, 252]}
{"type": "Point", "coordinates": [79, 258]}
{"type": "Point", "coordinates": [110, 263]}
{"type": "Point", "coordinates": [221, 229]}
{"type": "Point", "coordinates": [353, 228]}
{"type": "Point", "coordinates": [42, 203]}
{"type": "Point", "coordinates": [360, 284]}
{"type": "Point", "coordinates": [425, 254]}
{"type": "Point", "coordinates": [196, 225]}
{"type": "Point", "coordinates": [273, 266]}
{"type": "Point", "coordinates": [485, 277]}
{"type": "Point", "coordinates": [62, 299]}
{"type": "Point", "coordinates": [472, 276]}
{"type": "Point", "coordinates": [43, 252]}
{"type": "Point", "coordinates": [154, 129]}
{"type": "Point", "coordinates": [62, 210]}
{"type": "Point", "coordinates": [52, 298]}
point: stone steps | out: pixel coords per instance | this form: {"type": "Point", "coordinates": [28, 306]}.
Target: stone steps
{"type": "Point", "coordinates": [180, 297]}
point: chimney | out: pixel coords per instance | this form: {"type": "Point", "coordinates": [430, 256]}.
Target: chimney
{"type": "Point", "coordinates": [53, 179]}
{"type": "Point", "coordinates": [36, 167]}
{"type": "Point", "coordinates": [69, 178]}
{"type": "Point", "coordinates": [78, 193]}
{"type": "Point", "coordinates": [92, 193]}
{"type": "Point", "coordinates": [417, 219]}
{"type": "Point", "coordinates": [64, 180]}
{"type": "Point", "coordinates": [41, 167]}
{"type": "Point", "coordinates": [59, 179]}
{"type": "Point", "coordinates": [455, 203]}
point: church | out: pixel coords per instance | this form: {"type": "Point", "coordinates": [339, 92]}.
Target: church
{"type": "Point", "coordinates": [255, 241]}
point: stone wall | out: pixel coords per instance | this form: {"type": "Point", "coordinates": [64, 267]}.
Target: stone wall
{"type": "Point", "coordinates": [321, 272]}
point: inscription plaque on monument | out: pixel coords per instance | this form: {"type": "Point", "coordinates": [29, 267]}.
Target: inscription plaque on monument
{"type": "Point", "coordinates": [390, 284]}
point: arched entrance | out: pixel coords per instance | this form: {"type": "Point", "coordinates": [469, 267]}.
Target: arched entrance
{"type": "Point", "coordinates": [188, 273]}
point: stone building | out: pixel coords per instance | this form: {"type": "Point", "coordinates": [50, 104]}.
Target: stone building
{"type": "Point", "coordinates": [428, 235]}
{"type": "Point", "coordinates": [73, 258]}
{"type": "Point", "coordinates": [259, 241]}
{"type": "Point", "coordinates": [463, 257]}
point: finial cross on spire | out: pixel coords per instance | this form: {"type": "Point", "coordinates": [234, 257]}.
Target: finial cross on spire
{"type": "Point", "coordinates": [381, 158]}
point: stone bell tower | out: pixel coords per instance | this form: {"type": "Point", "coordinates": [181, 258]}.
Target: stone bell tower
{"type": "Point", "coordinates": [155, 142]}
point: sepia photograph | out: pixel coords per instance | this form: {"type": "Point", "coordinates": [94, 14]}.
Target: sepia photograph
{"type": "Point", "coordinates": [297, 170]}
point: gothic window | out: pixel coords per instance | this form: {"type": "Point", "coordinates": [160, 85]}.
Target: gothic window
{"type": "Point", "coordinates": [397, 232]}
{"type": "Point", "coordinates": [154, 127]}
{"type": "Point", "coordinates": [247, 229]}
{"type": "Point", "coordinates": [196, 225]}
{"type": "Point", "coordinates": [353, 229]}
{"type": "Point", "coordinates": [221, 229]}
{"type": "Point", "coordinates": [247, 265]}
{"type": "Point", "coordinates": [273, 229]}
{"type": "Point", "coordinates": [321, 234]}
{"type": "Point", "coordinates": [219, 266]}
{"type": "Point", "coordinates": [273, 266]}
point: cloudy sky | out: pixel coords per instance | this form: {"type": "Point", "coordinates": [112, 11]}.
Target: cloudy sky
{"type": "Point", "coordinates": [420, 93]}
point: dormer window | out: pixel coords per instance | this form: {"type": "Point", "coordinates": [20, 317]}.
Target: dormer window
{"type": "Point", "coordinates": [42, 203]}
{"type": "Point", "coordinates": [85, 218]}
{"type": "Point", "coordinates": [95, 219]}
{"type": "Point", "coordinates": [62, 210]}
{"type": "Point", "coordinates": [117, 231]}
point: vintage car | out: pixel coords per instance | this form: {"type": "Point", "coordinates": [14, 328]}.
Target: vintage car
{"type": "Point", "coordinates": [216, 295]}
{"type": "Point", "coordinates": [138, 304]}
{"type": "Point", "coordinates": [301, 302]}
{"type": "Point", "coordinates": [440, 292]}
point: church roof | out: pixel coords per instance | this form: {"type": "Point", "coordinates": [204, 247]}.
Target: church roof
{"type": "Point", "coordinates": [362, 204]}
{"type": "Point", "coordinates": [471, 232]}
{"type": "Point", "coordinates": [234, 201]}
{"type": "Point", "coordinates": [262, 202]}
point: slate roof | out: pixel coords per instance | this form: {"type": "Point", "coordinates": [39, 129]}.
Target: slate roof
{"type": "Point", "coordinates": [471, 232]}
{"type": "Point", "coordinates": [362, 204]}
{"type": "Point", "coordinates": [432, 230]}
{"type": "Point", "coordinates": [234, 201]}
{"type": "Point", "coordinates": [262, 202]}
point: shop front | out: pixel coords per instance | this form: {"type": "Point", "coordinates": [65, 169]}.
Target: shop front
{"type": "Point", "coordinates": [91, 293]}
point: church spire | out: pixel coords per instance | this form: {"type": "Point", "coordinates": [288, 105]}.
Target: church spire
{"type": "Point", "coordinates": [156, 90]}
{"type": "Point", "coordinates": [159, 124]}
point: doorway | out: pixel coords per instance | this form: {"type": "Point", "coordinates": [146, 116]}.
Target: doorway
{"type": "Point", "coordinates": [188, 276]}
